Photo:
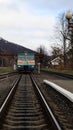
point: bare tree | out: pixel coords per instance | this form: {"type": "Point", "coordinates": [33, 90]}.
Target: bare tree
{"type": "Point", "coordinates": [56, 51]}
{"type": "Point", "coordinates": [62, 34]}
{"type": "Point", "coordinates": [43, 55]}
{"type": "Point", "coordinates": [42, 50]}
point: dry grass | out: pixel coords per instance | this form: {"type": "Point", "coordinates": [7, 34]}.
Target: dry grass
{"type": "Point", "coordinates": [4, 70]}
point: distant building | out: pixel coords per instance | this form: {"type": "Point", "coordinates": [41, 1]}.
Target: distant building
{"type": "Point", "coordinates": [56, 61]}
{"type": "Point", "coordinates": [7, 60]}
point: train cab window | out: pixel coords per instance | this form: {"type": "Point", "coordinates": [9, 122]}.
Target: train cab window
{"type": "Point", "coordinates": [21, 57]}
{"type": "Point", "coordinates": [30, 57]}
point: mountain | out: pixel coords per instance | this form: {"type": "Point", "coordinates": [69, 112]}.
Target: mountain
{"type": "Point", "coordinates": [7, 47]}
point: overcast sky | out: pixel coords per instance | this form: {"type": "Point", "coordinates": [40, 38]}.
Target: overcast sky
{"type": "Point", "coordinates": [31, 23]}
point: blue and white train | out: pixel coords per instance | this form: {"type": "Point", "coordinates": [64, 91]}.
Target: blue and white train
{"type": "Point", "coordinates": [26, 62]}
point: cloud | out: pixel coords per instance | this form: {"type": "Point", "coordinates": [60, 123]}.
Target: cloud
{"type": "Point", "coordinates": [4, 1]}
{"type": "Point", "coordinates": [29, 22]}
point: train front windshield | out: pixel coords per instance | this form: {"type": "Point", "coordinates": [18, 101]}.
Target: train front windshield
{"type": "Point", "coordinates": [31, 57]}
{"type": "Point", "coordinates": [22, 57]}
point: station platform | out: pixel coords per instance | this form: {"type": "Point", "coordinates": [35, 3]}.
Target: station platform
{"type": "Point", "coordinates": [63, 91]}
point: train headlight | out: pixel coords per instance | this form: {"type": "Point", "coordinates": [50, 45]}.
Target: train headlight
{"type": "Point", "coordinates": [32, 66]}
{"type": "Point", "coordinates": [19, 66]}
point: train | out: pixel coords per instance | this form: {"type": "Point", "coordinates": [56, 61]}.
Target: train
{"type": "Point", "coordinates": [26, 62]}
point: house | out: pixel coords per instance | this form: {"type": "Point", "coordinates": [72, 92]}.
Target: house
{"type": "Point", "coordinates": [56, 61]}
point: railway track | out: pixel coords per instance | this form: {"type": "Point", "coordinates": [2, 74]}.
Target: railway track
{"type": "Point", "coordinates": [63, 75]}
{"type": "Point", "coordinates": [26, 110]}
{"type": "Point", "coordinates": [6, 83]}
{"type": "Point", "coordinates": [59, 104]}
{"type": "Point", "coordinates": [7, 75]}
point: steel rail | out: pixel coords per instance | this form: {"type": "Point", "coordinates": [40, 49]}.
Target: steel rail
{"type": "Point", "coordinates": [2, 108]}
{"type": "Point", "coordinates": [58, 127]}
{"type": "Point", "coordinates": [63, 75]}
{"type": "Point", "coordinates": [7, 75]}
